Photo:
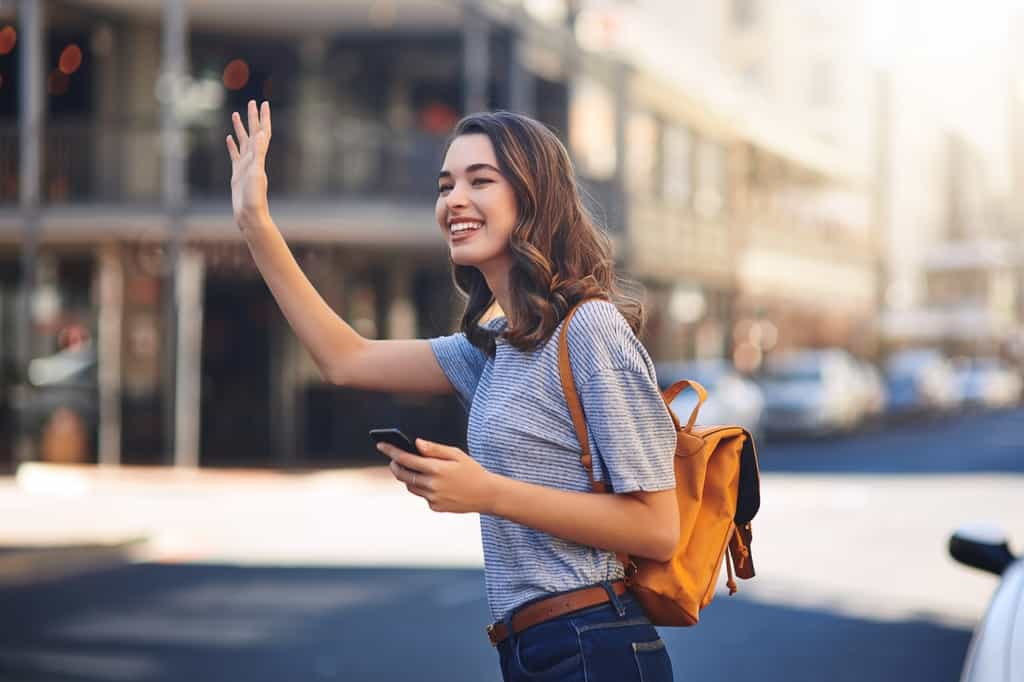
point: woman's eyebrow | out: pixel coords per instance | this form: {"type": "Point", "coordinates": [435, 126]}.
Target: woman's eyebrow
{"type": "Point", "coordinates": [481, 166]}
{"type": "Point", "coordinates": [469, 169]}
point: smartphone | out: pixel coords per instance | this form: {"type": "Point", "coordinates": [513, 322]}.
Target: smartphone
{"type": "Point", "coordinates": [393, 437]}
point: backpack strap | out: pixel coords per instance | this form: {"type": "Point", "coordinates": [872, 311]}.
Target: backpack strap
{"type": "Point", "coordinates": [579, 421]}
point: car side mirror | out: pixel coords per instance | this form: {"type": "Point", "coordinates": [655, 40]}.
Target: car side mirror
{"type": "Point", "coordinates": [981, 546]}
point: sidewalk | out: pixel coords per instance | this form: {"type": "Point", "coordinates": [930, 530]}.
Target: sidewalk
{"type": "Point", "coordinates": [65, 518]}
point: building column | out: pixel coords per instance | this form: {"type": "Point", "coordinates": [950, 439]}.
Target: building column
{"type": "Point", "coordinates": [180, 443]}
{"type": "Point", "coordinates": [476, 60]}
{"type": "Point", "coordinates": [189, 280]}
{"type": "Point", "coordinates": [31, 119]}
{"type": "Point", "coordinates": [110, 283]}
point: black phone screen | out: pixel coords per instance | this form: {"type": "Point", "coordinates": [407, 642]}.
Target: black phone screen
{"type": "Point", "coordinates": [393, 437]}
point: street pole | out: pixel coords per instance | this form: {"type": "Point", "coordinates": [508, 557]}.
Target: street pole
{"type": "Point", "coordinates": [172, 81]}
{"type": "Point", "coordinates": [31, 120]}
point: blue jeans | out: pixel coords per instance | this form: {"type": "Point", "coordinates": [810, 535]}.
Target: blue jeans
{"type": "Point", "coordinates": [613, 642]}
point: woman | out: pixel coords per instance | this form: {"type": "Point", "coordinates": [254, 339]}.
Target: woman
{"type": "Point", "coordinates": [510, 210]}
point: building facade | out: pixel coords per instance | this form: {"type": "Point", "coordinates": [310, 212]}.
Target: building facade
{"type": "Point", "coordinates": [115, 213]}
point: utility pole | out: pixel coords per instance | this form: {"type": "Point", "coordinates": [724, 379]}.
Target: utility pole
{"type": "Point", "coordinates": [180, 396]}
{"type": "Point", "coordinates": [31, 118]}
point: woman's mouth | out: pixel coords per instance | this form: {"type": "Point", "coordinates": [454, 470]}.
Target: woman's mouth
{"type": "Point", "coordinates": [463, 230]}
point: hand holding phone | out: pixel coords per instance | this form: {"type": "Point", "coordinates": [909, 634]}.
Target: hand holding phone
{"type": "Point", "coordinates": [394, 437]}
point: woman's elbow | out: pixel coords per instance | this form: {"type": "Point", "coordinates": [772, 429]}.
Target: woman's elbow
{"type": "Point", "coordinates": [666, 545]}
{"type": "Point", "coordinates": [664, 538]}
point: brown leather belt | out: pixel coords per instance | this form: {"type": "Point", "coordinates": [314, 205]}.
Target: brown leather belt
{"type": "Point", "coordinates": [552, 607]}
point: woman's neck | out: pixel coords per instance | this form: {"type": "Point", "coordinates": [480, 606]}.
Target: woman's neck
{"type": "Point", "coordinates": [497, 282]}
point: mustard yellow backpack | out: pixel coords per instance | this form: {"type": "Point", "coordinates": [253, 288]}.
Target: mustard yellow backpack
{"type": "Point", "coordinates": [718, 492]}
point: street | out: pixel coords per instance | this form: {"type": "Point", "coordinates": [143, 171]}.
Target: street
{"type": "Point", "coordinates": [853, 584]}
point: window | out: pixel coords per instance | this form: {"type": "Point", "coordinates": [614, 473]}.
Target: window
{"type": "Point", "coordinates": [642, 154]}
{"type": "Point", "coordinates": [709, 197]}
{"type": "Point", "coordinates": [592, 129]}
{"type": "Point", "coordinates": [677, 180]}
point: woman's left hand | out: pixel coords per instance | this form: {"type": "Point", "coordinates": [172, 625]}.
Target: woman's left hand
{"type": "Point", "coordinates": [445, 476]}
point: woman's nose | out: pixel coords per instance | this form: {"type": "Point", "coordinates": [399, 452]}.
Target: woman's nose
{"type": "Point", "coordinates": [456, 197]}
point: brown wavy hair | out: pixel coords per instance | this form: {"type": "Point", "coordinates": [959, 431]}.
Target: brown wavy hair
{"type": "Point", "coordinates": [559, 256]}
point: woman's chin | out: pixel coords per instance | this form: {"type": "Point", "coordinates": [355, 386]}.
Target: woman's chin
{"type": "Point", "coordinates": [460, 256]}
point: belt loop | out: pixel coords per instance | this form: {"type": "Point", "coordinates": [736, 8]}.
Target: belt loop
{"type": "Point", "coordinates": [620, 608]}
{"type": "Point", "coordinates": [507, 620]}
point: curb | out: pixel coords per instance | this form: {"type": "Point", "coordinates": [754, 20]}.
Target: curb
{"type": "Point", "coordinates": [27, 565]}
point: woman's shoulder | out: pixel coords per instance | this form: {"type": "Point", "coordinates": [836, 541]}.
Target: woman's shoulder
{"type": "Point", "coordinates": [601, 338]}
{"type": "Point", "coordinates": [601, 317]}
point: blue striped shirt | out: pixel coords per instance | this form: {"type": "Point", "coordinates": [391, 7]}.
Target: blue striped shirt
{"type": "Point", "coordinates": [520, 427]}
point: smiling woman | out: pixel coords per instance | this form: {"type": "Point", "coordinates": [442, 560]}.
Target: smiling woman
{"type": "Point", "coordinates": [519, 239]}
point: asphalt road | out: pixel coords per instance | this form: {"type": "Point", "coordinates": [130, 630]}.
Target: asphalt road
{"type": "Point", "coordinates": [163, 622]}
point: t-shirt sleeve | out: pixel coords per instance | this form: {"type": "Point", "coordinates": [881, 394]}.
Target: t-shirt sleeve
{"type": "Point", "coordinates": [630, 431]}
{"type": "Point", "coordinates": [462, 363]}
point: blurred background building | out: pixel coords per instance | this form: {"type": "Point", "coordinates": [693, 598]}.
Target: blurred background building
{"type": "Point", "coordinates": [746, 157]}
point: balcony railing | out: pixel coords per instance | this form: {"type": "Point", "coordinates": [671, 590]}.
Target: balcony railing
{"type": "Point", "coordinates": [350, 158]}
{"type": "Point", "coordinates": [120, 162]}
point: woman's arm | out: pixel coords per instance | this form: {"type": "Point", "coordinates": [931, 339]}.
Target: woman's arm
{"type": "Point", "coordinates": [643, 524]}
{"type": "Point", "coordinates": [343, 356]}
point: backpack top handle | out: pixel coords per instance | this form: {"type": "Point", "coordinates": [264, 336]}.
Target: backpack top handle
{"type": "Point", "coordinates": [675, 389]}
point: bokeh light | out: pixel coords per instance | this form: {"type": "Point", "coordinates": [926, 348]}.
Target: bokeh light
{"type": "Point", "coordinates": [236, 74]}
{"type": "Point", "coordinates": [8, 39]}
{"type": "Point", "coordinates": [70, 59]}
{"type": "Point", "coordinates": [746, 357]}
{"type": "Point", "coordinates": [57, 83]}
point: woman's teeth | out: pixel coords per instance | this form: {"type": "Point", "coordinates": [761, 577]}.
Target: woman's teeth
{"type": "Point", "coordinates": [463, 227]}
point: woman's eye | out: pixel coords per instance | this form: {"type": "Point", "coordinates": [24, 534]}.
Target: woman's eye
{"type": "Point", "coordinates": [481, 181]}
{"type": "Point", "coordinates": [444, 188]}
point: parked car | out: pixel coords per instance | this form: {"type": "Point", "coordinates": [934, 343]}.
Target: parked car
{"type": "Point", "coordinates": [812, 392]}
{"type": "Point", "coordinates": [873, 394]}
{"type": "Point", "coordinates": [996, 652]}
{"type": "Point", "coordinates": [988, 382]}
{"type": "Point", "coordinates": [921, 381]}
{"type": "Point", "coordinates": [732, 398]}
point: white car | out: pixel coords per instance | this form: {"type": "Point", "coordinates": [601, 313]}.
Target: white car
{"type": "Point", "coordinates": [874, 397]}
{"type": "Point", "coordinates": [812, 392]}
{"type": "Point", "coordinates": [996, 652]}
{"type": "Point", "coordinates": [988, 382]}
{"type": "Point", "coordinates": [732, 399]}
{"type": "Point", "coordinates": [921, 381]}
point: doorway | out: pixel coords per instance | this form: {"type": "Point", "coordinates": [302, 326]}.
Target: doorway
{"type": "Point", "coordinates": [235, 402]}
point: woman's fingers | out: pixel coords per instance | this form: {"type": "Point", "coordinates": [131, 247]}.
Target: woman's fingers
{"type": "Point", "coordinates": [415, 481]}
{"type": "Point", "coordinates": [254, 118]}
{"type": "Point", "coordinates": [408, 461]}
{"type": "Point", "coordinates": [265, 118]}
{"type": "Point", "coordinates": [232, 149]}
{"type": "Point", "coordinates": [243, 137]}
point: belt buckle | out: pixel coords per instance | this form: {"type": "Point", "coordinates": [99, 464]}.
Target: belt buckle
{"type": "Point", "coordinates": [491, 636]}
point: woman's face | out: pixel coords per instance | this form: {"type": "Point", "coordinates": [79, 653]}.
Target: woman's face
{"type": "Point", "coordinates": [476, 205]}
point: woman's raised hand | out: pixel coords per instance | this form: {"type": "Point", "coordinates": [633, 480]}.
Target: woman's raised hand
{"type": "Point", "coordinates": [248, 173]}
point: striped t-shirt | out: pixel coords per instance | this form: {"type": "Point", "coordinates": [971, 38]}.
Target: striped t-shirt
{"type": "Point", "coordinates": [520, 427]}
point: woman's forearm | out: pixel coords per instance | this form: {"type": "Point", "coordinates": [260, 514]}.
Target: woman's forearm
{"type": "Point", "coordinates": [324, 334]}
{"type": "Point", "coordinates": [619, 522]}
